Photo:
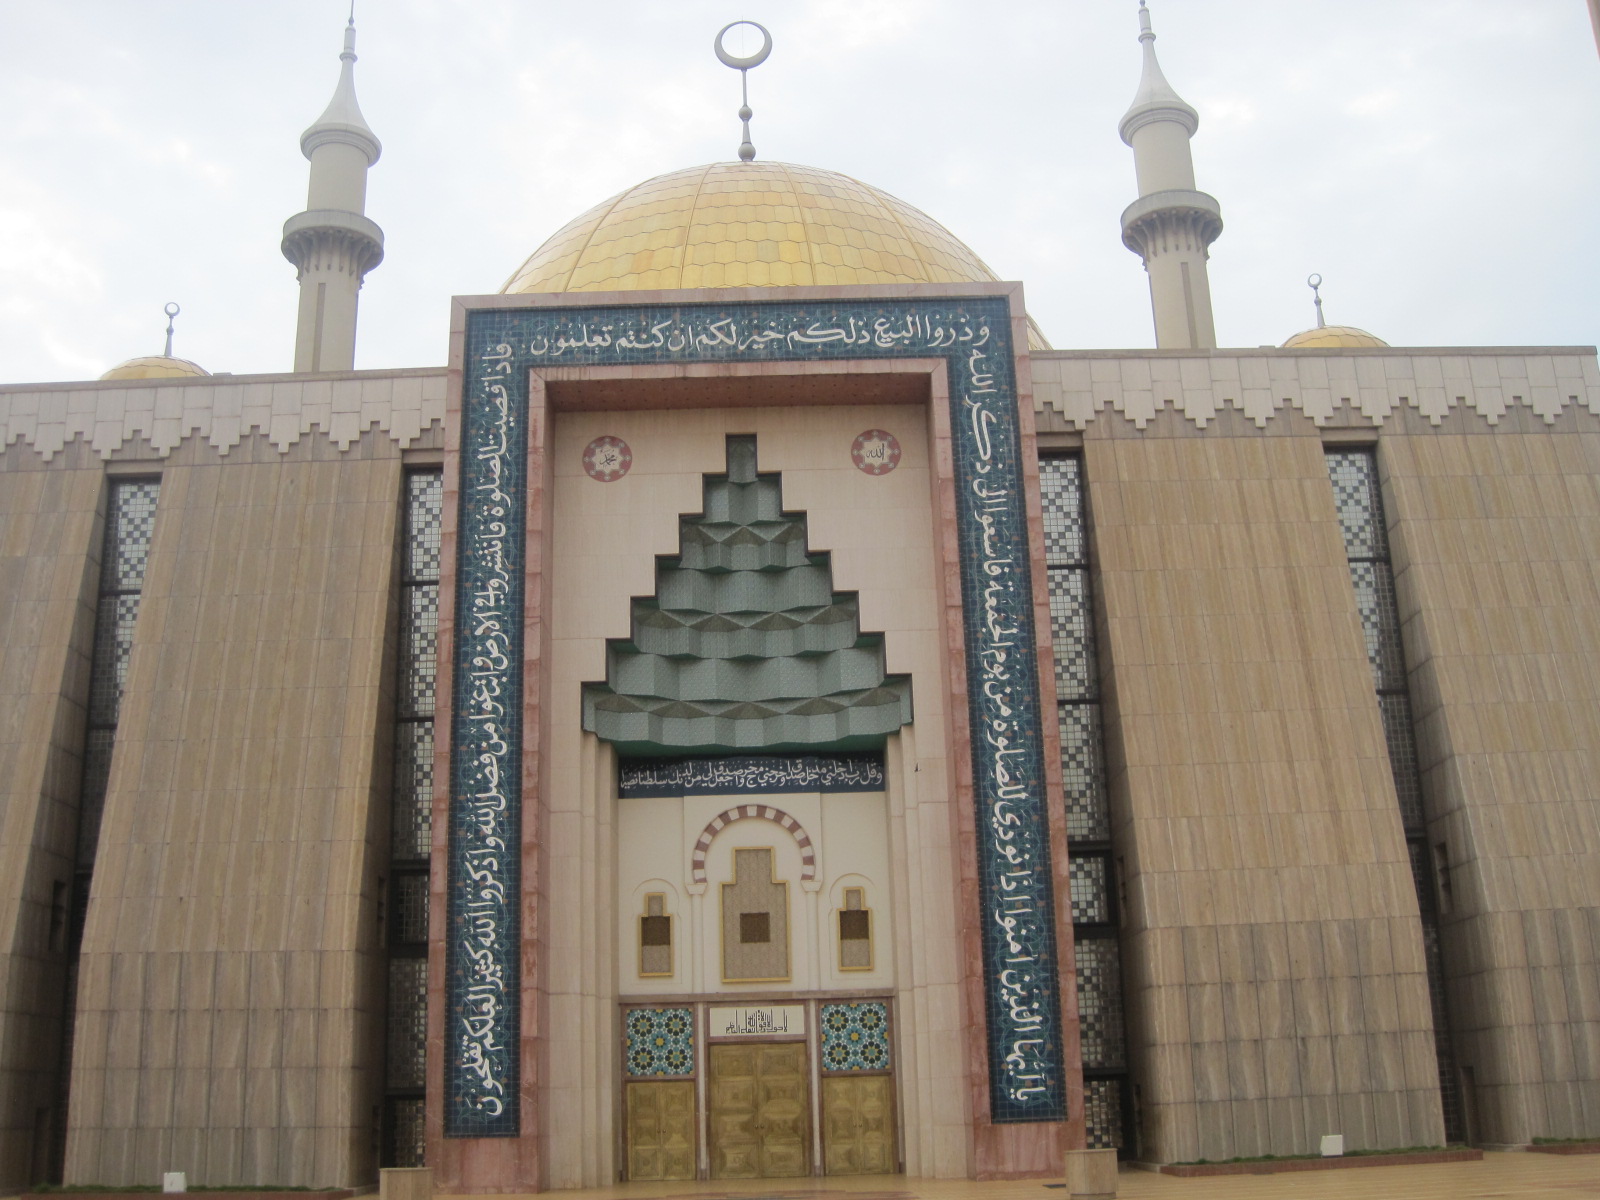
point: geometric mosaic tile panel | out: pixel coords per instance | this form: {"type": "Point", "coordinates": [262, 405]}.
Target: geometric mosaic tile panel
{"type": "Point", "coordinates": [855, 1037]}
{"type": "Point", "coordinates": [660, 1041]}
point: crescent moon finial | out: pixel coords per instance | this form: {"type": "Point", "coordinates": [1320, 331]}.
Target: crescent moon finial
{"type": "Point", "coordinates": [747, 151]}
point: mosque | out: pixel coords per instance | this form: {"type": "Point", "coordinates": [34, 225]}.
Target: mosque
{"type": "Point", "coordinates": [759, 710]}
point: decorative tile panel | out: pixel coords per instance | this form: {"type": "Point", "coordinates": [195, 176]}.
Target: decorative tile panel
{"type": "Point", "coordinates": [855, 1037]}
{"type": "Point", "coordinates": [660, 1042]}
{"type": "Point", "coordinates": [1027, 1077]}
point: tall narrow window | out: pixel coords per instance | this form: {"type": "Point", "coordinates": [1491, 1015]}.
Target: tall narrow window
{"type": "Point", "coordinates": [1359, 501]}
{"type": "Point", "coordinates": [130, 521]}
{"type": "Point", "coordinates": [1107, 1098]}
{"type": "Point", "coordinates": [411, 831]}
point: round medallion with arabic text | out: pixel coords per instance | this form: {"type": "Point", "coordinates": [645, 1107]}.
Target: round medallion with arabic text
{"type": "Point", "coordinates": [876, 452]}
{"type": "Point", "coordinates": [607, 459]}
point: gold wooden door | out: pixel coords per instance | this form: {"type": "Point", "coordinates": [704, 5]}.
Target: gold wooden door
{"type": "Point", "coordinates": [660, 1126]}
{"type": "Point", "coordinates": [759, 1111]}
{"type": "Point", "coordinates": [858, 1125]}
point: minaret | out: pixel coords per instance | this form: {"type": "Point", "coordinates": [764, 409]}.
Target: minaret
{"type": "Point", "coordinates": [332, 244]}
{"type": "Point", "coordinates": [1171, 224]}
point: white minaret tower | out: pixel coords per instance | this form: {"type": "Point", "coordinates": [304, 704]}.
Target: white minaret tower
{"type": "Point", "coordinates": [1171, 224]}
{"type": "Point", "coordinates": [332, 244]}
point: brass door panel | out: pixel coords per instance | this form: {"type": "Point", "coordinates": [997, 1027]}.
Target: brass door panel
{"type": "Point", "coordinates": [660, 1129]}
{"type": "Point", "coordinates": [858, 1125]}
{"type": "Point", "coordinates": [759, 1109]}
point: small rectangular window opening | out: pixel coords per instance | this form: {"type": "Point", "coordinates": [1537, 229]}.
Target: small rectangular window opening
{"type": "Point", "coordinates": [755, 927]}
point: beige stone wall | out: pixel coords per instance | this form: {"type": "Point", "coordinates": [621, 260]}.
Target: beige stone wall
{"type": "Point", "coordinates": [49, 555]}
{"type": "Point", "coordinates": [230, 991]}
{"type": "Point", "coordinates": [1275, 977]}
{"type": "Point", "coordinates": [1495, 541]}
{"type": "Point", "coordinates": [606, 536]}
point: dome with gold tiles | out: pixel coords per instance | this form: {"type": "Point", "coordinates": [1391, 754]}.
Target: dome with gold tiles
{"type": "Point", "coordinates": [755, 224]}
{"type": "Point", "coordinates": [156, 366]}
{"type": "Point", "coordinates": [1332, 337]}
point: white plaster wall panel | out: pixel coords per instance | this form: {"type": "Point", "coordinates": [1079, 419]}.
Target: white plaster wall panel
{"type": "Point", "coordinates": [1370, 385]}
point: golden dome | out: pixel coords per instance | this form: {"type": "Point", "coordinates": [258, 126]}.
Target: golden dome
{"type": "Point", "coordinates": [756, 224]}
{"type": "Point", "coordinates": [155, 366]}
{"type": "Point", "coordinates": [1332, 337]}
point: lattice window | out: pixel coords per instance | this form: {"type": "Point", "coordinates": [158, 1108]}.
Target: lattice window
{"type": "Point", "coordinates": [408, 1022]}
{"type": "Point", "coordinates": [1357, 497]}
{"type": "Point", "coordinates": [1083, 775]}
{"type": "Point", "coordinates": [1061, 496]}
{"type": "Point", "coordinates": [1102, 1113]}
{"type": "Point", "coordinates": [1088, 878]}
{"type": "Point", "coordinates": [1100, 1002]}
{"type": "Point", "coordinates": [411, 828]}
{"type": "Point", "coordinates": [406, 1135]}
{"type": "Point", "coordinates": [408, 904]}
{"type": "Point", "coordinates": [1359, 502]}
{"type": "Point", "coordinates": [411, 808]}
{"type": "Point", "coordinates": [1084, 791]}
{"type": "Point", "coordinates": [1072, 634]}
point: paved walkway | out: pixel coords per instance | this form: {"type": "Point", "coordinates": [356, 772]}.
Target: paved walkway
{"type": "Point", "coordinates": [1498, 1176]}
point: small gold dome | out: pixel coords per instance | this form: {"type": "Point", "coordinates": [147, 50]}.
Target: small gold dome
{"type": "Point", "coordinates": [1332, 337]}
{"type": "Point", "coordinates": [155, 366]}
{"type": "Point", "coordinates": [756, 224]}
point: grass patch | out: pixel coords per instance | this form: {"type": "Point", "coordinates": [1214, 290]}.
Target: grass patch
{"type": "Point", "coordinates": [1578, 1141]}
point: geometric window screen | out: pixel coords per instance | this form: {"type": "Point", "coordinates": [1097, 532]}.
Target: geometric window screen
{"type": "Point", "coordinates": [411, 816]}
{"type": "Point", "coordinates": [1087, 815]}
{"type": "Point", "coordinates": [1358, 500]}
{"type": "Point", "coordinates": [655, 936]}
{"type": "Point", "coordinates": [855, 932]}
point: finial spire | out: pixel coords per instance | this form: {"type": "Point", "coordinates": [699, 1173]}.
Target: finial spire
{"type": "Point", "coordinates": [747, 150]}
{"type": "Point", "coordinates": [172, 310]}
{"type": "Point", "coordinates": [1314, 282]}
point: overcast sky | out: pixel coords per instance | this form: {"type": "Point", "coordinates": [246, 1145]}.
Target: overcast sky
{"type": "Point", "coordinates": [1435, 160]}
